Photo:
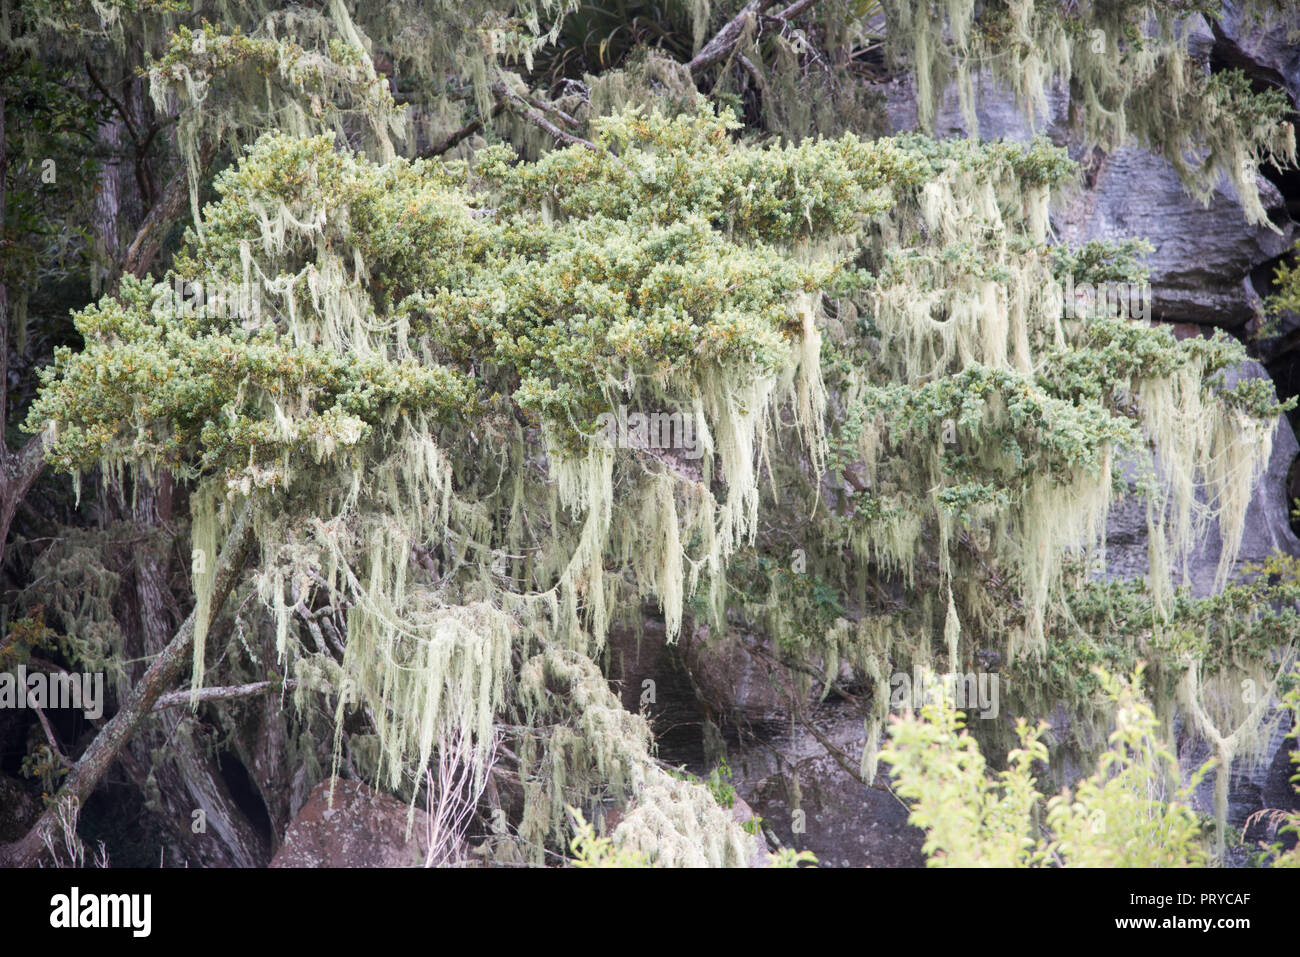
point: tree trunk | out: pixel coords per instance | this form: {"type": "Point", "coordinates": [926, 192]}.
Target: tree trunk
{"type": "Point", "coordinates": [163, 675]}
{"type": "Point", "coordinates": [186, 778]}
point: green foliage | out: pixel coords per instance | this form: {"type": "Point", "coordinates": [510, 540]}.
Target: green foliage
{"type": "Point", "coordinates": [1128, 813]}
{"type": "Point", "coordinates": [969, 818]}
{"type": "Point", "coordinates": [799, 606]}
{"type": "Point", "coordinates": [1286, 278]}
{"type": "Point", "coordinates": [788, 857]}
{"type": "Point", "coordinates": [408, 401]}
{"type": "Point", "coordinates": [720, 785]}
{"type": "Point", "coordinates": [1110, 621]}
{"type": "Point", "coordinates": [24, 636]}
{"type": "Point", "coordinates": [206, 395]}
{"type": "Point", "coordinates": [46, 766]}
{"type": "Point", "coordinates": [591, 850]}
{"type": "Point", "coordinates": [598, 36]}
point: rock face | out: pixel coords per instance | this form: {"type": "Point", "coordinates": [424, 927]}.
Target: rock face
{"type": "Point", "coordinates": [996, 112]}
{"type": "Point", "coordinates": [1267, 518]}
{"type": "Point", "coordinates": [1257, 783]}
{"type": "Point", "coordinates": [1204, 255]}
{"type": "Point", "coordinates": [778, 767]}
{"type": "Point", "coordinates": [364, 828]}
{"type": "Point", "coordinates": [811, 802]}
{"type": "Point", "coordinates": [1206, 270]}
{"type": "Point", "coordinates": [1264, 50]}
{"type": "Point", "coordinates": [742, 814]}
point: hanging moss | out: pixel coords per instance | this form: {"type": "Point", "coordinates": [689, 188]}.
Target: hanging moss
{"type": "Point", "coordinates": [1128, 70]}
{"type": "Point", "coordinates": [413, 409]}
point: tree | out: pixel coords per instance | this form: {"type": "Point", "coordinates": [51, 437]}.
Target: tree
{"type": "Point", "coordinates": [391, 363]}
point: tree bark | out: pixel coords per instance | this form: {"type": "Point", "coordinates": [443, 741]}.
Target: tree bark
{"type": "Point", "coordinates": [149, 238]}
{"type": "Point", "coordinates": [718, 48]}
{"type": "Point", "coordinates": [18, 469]}
{"type": "Point", "coordinates": [725, 40]}
{"type": "Point", "coordinates": [4, 291]}
{"type": "Point", "coordinates": [162, 676]}
{"type": "Point", "coordinates": [176, 698]}
{"type": "Point", "coordinates": [186, 778]}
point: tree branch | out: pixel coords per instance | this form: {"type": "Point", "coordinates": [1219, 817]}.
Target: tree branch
{"type": "Point", "coordinates": [164, 673]}
{"type": "Point", "coordinates": [149, 237]}
{"type": "Point", "coordinates": [453, 140]}
{"type": "Point", "coordinates": [521, 106]}
{"type": "Point", "coordinates": [725, 39]}
{"type": "Point", "coordinates": [49, 736]}
{"type": "Point", "coordinates": [554, 110]}
{"type": "Point", "coordinates": [18, 470]}
{"type": "Point", "coordinates": [794, 10]}
{"type": "Point", "coordinates": [114, 101]}
{"type": "Point", "coordinates": [174, 698]}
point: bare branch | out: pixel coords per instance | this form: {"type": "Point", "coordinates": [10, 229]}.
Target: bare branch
{"type": "Point", "coordinates": [759, 83]}
{"type": "Point", "coordinates": [49, 736]}
{"type": "Point", "coordinates": [114, 101]}
{"type": "Point", "coordinates": [18, 470]}
{"type": "Point", "coordinates": [794, 10]}
{"type": "Point", "coordinates": [149, 237]}
{"type": "Point", "coordinates": [554, 111]}
{"type": "Point", "coordinates": [520, 105]}
{"type": "Point", "coordinates": [175, 698]}
{"type": "Point", "coordinates": [720, 47]}
{"type": "Point", "coordinates": [454, 139]}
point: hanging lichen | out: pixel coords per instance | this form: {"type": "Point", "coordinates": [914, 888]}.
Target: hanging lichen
{"type": "Point", "coordinates": [414, 389]}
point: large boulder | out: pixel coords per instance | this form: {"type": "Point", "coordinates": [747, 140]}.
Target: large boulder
{"type": "Point", "coordinates": [360, 827]}
{"type": "Point", "coordinates": [809, 799]}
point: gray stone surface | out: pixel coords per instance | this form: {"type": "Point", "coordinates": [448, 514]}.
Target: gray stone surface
{"type": "Point", "coordinates": [1267, 528]}
{"type": "Point", "coordinates": [1268, 50]}
{"type": "Point", "coordinates": [1203, 255]}
{"type": "Point", "coordinates": [843, 821]}
{"type": "Point", "coordinates": [996, 112]}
